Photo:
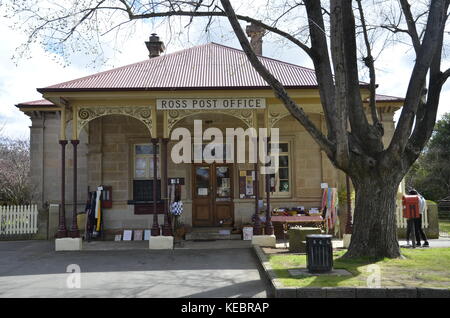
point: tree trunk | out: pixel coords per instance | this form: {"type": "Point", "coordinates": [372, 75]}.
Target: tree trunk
{"type": "Point", "coordinates": [375, 227]}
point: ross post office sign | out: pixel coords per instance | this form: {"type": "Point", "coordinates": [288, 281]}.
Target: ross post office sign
{"type": "Point", "coordinates": [210, 103]}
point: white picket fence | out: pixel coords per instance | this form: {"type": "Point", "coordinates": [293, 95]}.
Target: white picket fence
{"type": "Point", "coordinates": [18, 219]}
{"type": "Point", "coordinates": [401, 221]}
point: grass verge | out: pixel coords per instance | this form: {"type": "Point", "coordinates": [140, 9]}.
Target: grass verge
{"type": "Point", "coordinates": [428, 268]}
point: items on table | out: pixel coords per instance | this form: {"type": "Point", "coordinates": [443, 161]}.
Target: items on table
{"type": "Point", "coordinates": [294, 211]}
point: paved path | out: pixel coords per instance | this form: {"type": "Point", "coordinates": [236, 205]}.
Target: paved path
{"type": "Point", "coordinates": [33, 269]}
{"type": "Point", "coordinates": [442, 242]}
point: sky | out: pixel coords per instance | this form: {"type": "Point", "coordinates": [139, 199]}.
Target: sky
{"type": "Point", "coordinates": [20, 78]}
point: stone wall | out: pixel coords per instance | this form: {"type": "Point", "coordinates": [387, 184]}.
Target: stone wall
{"type": "Point", "coordinates": [45, 171]}
{"type": "Point", "coordinates": [110, 159]}
{"type": "Point", "coordinates": [105, 158]}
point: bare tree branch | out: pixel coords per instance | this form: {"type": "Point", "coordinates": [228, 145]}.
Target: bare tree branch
{"type": "Point", "coordinates": [269, 28]}
{"type": "Point", "coordinates": [369, 62]}
{"type": "Point", "coordinates": [425, 55]}
{"type": "Point", "coordinates": [278, 88]}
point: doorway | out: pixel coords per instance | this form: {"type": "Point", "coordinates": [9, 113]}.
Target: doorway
{"type": "Point", "coordinates": [212, 195]}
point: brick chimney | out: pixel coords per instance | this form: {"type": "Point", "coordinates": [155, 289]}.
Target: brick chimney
{"type": "Point", "coordinates": [256, 34]}
{"type": "Point", "coordinates": [155, 46]}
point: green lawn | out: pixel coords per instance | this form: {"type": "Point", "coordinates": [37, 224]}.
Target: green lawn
{"type": "Point", "coordinates": [419, 268]}
{"type": "Point", "coordinates": [444, 226]}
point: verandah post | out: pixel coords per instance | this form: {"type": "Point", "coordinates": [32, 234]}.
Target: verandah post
{"type": "Point", "coordinates": [62, 230]}
{"type": "Point", "coordinates": [269, 226]}
{"type": "Point", "coordinates": [74, 232]}
{"type": "Point", "coordinates": [167, 229]}
{"type": "Point", "coordinates": [257, 226]}
{"type": "Point", "coordinates": [155, 228]}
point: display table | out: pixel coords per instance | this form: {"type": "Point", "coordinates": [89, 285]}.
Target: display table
{"type": "Point", "coordinates": [297, 238]}
{"type": "Point", "coordinates": [282, 223]}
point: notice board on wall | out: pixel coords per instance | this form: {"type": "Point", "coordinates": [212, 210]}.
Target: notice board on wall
{"type": "Point", "coordinates": [247, 184]}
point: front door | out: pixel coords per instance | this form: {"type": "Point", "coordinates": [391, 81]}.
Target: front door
{"type": "Point", "coordinates": [212, 195]}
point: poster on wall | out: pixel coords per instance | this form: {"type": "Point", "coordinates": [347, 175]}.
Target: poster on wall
{"type": "Point", "coordinates": [127, 234]}
{"type": "Point", "coordinates": [138, 235]}
{"type": "Point", "coordinates": [247, 233]}
{"type": "Point", "coordinates": [247, 184]}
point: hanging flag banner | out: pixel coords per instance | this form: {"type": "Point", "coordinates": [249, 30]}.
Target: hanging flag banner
{"type": "Point", "coordinates": [211, 103]}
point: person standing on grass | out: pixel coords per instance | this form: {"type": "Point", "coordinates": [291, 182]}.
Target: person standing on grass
{"type": "Point", "coordinates": [420, 234]}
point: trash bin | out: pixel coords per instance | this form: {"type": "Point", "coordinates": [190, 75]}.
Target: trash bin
{"type": "Point", "coordinates": [297, 238]}
{"type": "Point", "coordinates": [319, 253]}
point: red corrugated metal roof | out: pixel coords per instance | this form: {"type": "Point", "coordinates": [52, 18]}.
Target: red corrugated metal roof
{"type": "Point", "coordinates": [387, 99]}
{"type": "Point", "coordinates": [40, 102]}
{"type": "Point", "coordinates": [209, 66]}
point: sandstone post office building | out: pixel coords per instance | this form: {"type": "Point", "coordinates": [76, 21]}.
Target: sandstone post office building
{"type": "Point", "coordinates": [102, 130]}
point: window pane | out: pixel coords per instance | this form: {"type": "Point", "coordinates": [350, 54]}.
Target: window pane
{"type": "Point", "coordinates": [139, 174]}
{"type": "Point", "coordinates": [158, 169]}
{"type": "Point", "coordinates": [284, 147]}
{"type": "Point", "coordinates": [284, 161]}
{"type": "Point", "coordinates": [145, 149]}
{"type": "Point", "coordinates": [223, 180]}
{"type": "Point", "coordinates": [284, 173]}
{"type": "Point", "coordinates": [284, 185]}
{"type": "Point", "coordinates": [140, 168]}
{"type": "Point", "coordinates": [202, 181]}
{"type": "Point", "coordinates": [143, 190]}
{"type": "Point", "coordinates": [141, 164]}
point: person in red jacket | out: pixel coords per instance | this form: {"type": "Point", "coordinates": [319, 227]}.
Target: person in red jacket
{"type": "Point", "coordinates": [410, 227]}
{"type": "Point", "coordinates": [420, 234]}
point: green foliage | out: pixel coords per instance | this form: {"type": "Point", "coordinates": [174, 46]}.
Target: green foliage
{"type": "Point", "coordinates": [430, 175]}
{"type": "Point", "coordinates": [342, 194]}
{"type": "Point", "coordinates": [444, 226]}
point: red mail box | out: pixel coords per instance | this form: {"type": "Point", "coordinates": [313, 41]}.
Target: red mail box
{"type": "Point", "coordinates": [411, 206]}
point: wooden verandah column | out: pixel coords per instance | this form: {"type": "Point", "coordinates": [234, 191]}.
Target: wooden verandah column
{"type": "Point", "coordinates": [268, 229]}
{"type": "Point", "coordinates": [62, 230]}
{"type": "Point", "coordinates": [155, 228]}
{"type": "Point", "coordinates": [257, 230]}
{"type": "Point", "coordinates": [74, 232]}
{"type": "Point", "coordinates": [167, 228]}
{"type": "Point", "coordinates": [269, 226]}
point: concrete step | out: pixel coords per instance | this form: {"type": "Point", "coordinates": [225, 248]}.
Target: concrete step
{"type": "Point", "coordinates": [211, 234]}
